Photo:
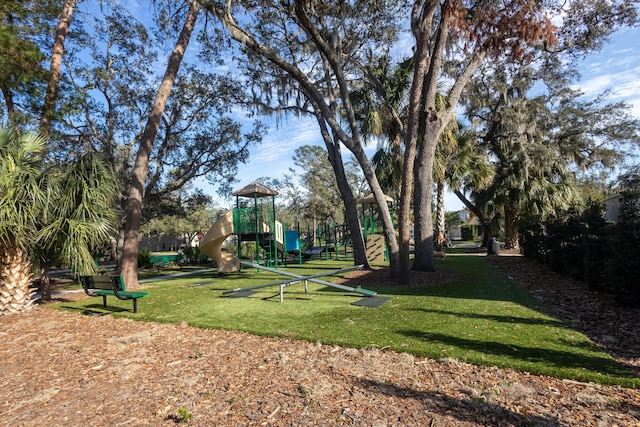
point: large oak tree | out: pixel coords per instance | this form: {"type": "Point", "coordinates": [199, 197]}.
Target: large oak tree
{"type": "Point", "coordinates": [129, 265]}
{"type": "Point", "coordinates": [307, 57]}
{"type": "Point", "coordinates": [473, 30]}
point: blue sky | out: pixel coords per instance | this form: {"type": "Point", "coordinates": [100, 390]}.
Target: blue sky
{"type": "Point", "coordinates": [616, 68]}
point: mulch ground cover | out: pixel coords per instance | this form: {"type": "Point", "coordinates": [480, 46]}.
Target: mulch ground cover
{"type": "Point", "coordinates": [69, 369]}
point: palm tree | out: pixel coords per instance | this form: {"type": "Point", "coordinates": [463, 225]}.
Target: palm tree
{"type": "Point", "coordinates": [469, 169]}
{"type": "Point", "coordinates": [533, 179]}
{"type": "Point", "coordinates": [81, 219]}
{"type": "Point", "coordinates": [386, 119]}
{"type": "Point", "coordinates": [532, 175]}
{"type": "Point", "coordinates": [445, 152]}
{"type": "Point", "coordinates": [22, 200]}
{"type": "Point", "coordinates": [47, 215]}
{"type": "Point", "coordinates": [380, 107]}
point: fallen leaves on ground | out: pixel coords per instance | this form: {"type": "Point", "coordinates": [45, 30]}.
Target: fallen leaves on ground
{"type": "Point", "coordinates": [69, 369]}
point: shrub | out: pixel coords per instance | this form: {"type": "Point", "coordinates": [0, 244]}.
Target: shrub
{"type": "Point", "coordinates": [191, 254]}
{"type": "Point", "coordinates": [532, 239]}
{"type": "Point", "coordinates": [581, 244]}
{"type": "Point", "coordinates": [468, 232]}
{"type": "Point", "coordinates": [144, 258]}
{"type": "Point", "coordinates": [625, 263]}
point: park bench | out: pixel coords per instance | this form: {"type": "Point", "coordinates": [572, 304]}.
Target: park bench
{"type": "Point", "coordinates": [103, 286]}
{"type": "Point", "coordinates": [161, 264]}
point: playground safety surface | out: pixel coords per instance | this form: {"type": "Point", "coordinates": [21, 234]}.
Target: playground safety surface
{"type": "Point", "coordinates": [68, 369]}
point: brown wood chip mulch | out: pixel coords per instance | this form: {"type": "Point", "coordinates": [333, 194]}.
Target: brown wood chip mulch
{"type": "Point", "coordinates": [68, 369]}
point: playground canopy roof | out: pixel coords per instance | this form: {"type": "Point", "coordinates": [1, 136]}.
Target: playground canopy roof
{"type": "Point", "coordinates": [255, 189]}
{"type": "Point", "coordinates": [370, 200]}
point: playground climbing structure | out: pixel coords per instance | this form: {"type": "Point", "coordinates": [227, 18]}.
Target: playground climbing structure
{"type": "Point", "coordinates": [252, 220]}
{"type": "Point", "coordinates": [372, 231]}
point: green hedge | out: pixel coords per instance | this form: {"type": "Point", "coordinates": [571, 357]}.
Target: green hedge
{"type": "Point", "coordinates": [581, 244]}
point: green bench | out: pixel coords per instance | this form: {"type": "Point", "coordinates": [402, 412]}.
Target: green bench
{"type": "Point", "coordinates": [103, 286]}
{"type": "Point", "coordinates": [162, 264]}
{"type": "Point", "coordinates": [164, 260]}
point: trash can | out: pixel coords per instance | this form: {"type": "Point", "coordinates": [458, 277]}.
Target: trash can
{"type": "Point", "coordinates": [495, 246]}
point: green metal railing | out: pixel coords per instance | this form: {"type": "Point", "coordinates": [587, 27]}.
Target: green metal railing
{"type": "Point", "coordinates": [245, 220]}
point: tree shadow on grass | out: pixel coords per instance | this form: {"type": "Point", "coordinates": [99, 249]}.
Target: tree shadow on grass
{"type": "Point", "coordinates": [471, 410]}
{"type": "Point", "coordinates": [548, 357]}
{"type": "Point", "coordinates": [497, 318]}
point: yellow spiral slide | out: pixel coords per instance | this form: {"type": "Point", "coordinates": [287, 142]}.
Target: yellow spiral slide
{"type": "Point", "coordinates": [211, 244]}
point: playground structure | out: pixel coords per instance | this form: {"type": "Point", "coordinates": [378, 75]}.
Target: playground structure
{"type": "Point", "coordinates": [370, 212]}
{"type": "Point", "coordinates": [335, 240]}
{"type": "Point", "coordinates": [256, 224]}
{"type": "Point", "coordinates": [372, 231]}
{"type": "Point", "coordinates": [254, 220]}
{"type": "Point", "coordinates": [326, 241]}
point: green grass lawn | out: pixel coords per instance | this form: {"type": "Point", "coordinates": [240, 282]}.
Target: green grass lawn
{"type": "Point", "coordinates": [482, 318]}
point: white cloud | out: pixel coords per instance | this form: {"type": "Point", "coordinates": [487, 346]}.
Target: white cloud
{"type": "Point", "coordinates": [273, 157]}
{"type": "Point", "coordinates": [627, 86]}
{"type": "Point", "coordinates": [281, 141]}
{"type": "Point", "coordinates": [622, 84]}
{"type": "Point", "coordinates": [616, 69]}
{"type": "Point", "coordinates": [596, 85]}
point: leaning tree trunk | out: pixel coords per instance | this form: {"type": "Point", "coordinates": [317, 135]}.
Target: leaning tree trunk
{"type": "Point", "coordinates": [335, 159]}
{"type": "Point", "coordinates": [15, 278]}
{"type": "Point", "coordinates": [487, 229]}
{"type": "Point", "coordinates": [383, 209]}
{"type": "Point", "coordinates": [129, 266]}
{"type": "Point", "coordinates": [56, 64]}
{"type": "Point", "coordinates": [359, 249]}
